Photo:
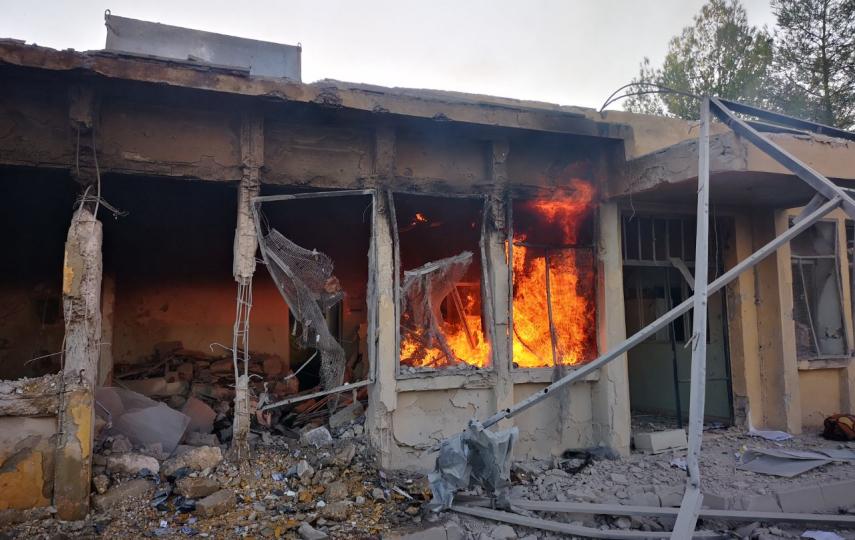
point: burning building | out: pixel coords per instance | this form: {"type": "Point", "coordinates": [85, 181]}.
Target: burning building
{"type": "Point", "coordinates": [439, 256]}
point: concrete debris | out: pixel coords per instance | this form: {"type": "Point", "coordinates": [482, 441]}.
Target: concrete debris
{"type": "Point", "coordinates": [196, 458]}
{"type": "Point", "coordinates": [346, 415]}
{"type": "Point", "coordinates": [201, 415]}
{"type": "Point", "coordinates": [132, 464]}
{"type": "Point", "coordinates": [317, 437]}
{"type": "Point", "coordinates": [217, 503]}
{"type": "Point", "coordinates": [196, 487]}
{"type": "Point", "coordinates": [132, 489]}
{"type": "Point", "coordinates": [661, 441]}
{"type": "Point", "coordinates": [100, 482]}
{"type": "Point", "coordinates": [307, 532]}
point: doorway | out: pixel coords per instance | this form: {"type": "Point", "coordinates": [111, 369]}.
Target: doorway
{"type": "Point", "coordinates": [658, 259]}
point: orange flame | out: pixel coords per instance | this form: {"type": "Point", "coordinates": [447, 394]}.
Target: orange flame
{"type": "Point", "coordinates": [571, 283]}
{"type": "Point", "coordinates": [416, 352]}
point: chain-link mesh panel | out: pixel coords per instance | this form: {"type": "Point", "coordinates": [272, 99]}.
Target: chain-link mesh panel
{"type": "Point", "coordinates": [422, 294]}
{"type": "Point", "coordinates": [305, 279]}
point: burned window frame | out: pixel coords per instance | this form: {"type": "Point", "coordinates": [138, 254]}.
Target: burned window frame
{"type": "Point", "coordinates": [372, 297]}
{"type": "Point", "coordinates": [521, 194]}
{"type": "Point", "coordinates": [797, 281]}
{"type": "Point", "coordinates": [486, 291]}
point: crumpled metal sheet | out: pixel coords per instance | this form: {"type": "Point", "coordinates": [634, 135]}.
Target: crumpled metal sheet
{"type": "Point", "coordinates": [475, 457]}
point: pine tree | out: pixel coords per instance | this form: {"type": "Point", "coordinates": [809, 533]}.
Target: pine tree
{"type": "Point", "coordinates": [815, 60]}
{"type": "Point", "coordinates": [720, 54]}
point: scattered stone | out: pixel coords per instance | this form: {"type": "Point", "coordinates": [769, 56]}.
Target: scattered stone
{"type": "Point", "coordinates": [318, 437]}
{"type": "Point", "coordinates": [377, 494]}
{"type": "Point", "coordinates": [304, 471]}
{"type": "Point", "coordinates": [194, 438]}
{"type": "Point", "coordinates": [347, 415]}
{"type": "Point", "coordinates": [131, 464]}
{"type": "Point", "coordinates": [307, 532]}
{"type": "Point", "coordinates": [194, 488]}
{"type": "Point", "coordinates": [336, 491]}
{"type": "Point", "coordinates": [100, 483]}
{"type": "Point", "coordinates": [618, 478]}
{"type": "Point", "coordinates": [503, 532]}
{"type": "Point", "coordinates": [345, 454]}
{"type": "Point", "coordinates": [336, 511]}
{"type": "Point", "coordinates": [117, 494]}
{"type": "Point", "coordinates": [121, 444]}
{"type": "Point", "coordinates": [623, 523]}
{"type": "Point", "coordinates": [196, 458]}
{"type": "Point", "coordinates": [216, 504]}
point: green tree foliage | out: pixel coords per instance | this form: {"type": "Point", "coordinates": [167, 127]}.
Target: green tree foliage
{"type": "Point", "coordinates": [815, 60]}
{"type": "Point", "coordinates": [720, 54]}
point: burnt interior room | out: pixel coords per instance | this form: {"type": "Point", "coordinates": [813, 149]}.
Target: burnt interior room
{"type": "Point", "coordinates": [440, 273]}
{"type": "Point", "coordinates": [554, 277]}
{"type": "Point", "coordinates": [37, 210]}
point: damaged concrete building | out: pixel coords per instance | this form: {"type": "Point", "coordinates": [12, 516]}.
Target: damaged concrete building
{"type": "Point", "coordinates": [473, 249]}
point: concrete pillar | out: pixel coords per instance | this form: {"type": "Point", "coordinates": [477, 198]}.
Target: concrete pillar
{"type": "Point", "coordinates": [497, 280]}
{"type": "Point", "coordinates": [108, 306]}
{"type": "Point", "coordinates": [610, 394]}
{"type": "Point", "coordinates": [245, 247]}
{"type": "Point", "coordinates": [742, 326]}
{"type": "Point", "coordinates": [382, 395]}
{"type": "Point", "coordinates": [81, 296]}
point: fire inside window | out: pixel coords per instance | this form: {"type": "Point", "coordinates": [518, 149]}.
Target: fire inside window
{"type": "Point", "coordinates": [441, 282]}
{"type": "Point", "coordinates": [554, 300]}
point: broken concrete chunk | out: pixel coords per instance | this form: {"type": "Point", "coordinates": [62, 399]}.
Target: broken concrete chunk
{"type": "Point", "coordinates": [197, 458]}
{"type": "Point", "coordinates": [216, 503]}
{"type": "Point", "coordinates": [121, 444]}
{"type": "Point", "coordinates": [304, 471]}
{"type": "Point", "coordinates": [100, 482]}
{"type": "Point", "coordinates": [131, 464]}
{"type": "Point", "coordinates": [345, 454]}
{"type": "Point", "coordinates": [201, 415]}
{"type": "Point", "coordinates": [307, 532]}
{"type": "Point", "coordinates": [503, 532]}
{"type": "Point", "coordinates": [336, 511]}
{"type": "Point", "coordinates": [347, 415]}
{"type": "Point", "coordinates": [194, 488]}
{"type": "Point", "coordinates": [336, 491]}
{"type": "Point", "coordinates": [318, 437]}
{"type": "Point", "coordinates": [661, 441]}
{"type": "Point", "coordinates": [117, 494]}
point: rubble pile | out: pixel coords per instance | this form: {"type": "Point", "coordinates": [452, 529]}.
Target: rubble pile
{"type": "Point", "coordinates": [322, 485]}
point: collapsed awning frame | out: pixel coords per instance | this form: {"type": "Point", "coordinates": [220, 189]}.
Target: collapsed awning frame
{"type": "Point", "coordinates": [828, 197]}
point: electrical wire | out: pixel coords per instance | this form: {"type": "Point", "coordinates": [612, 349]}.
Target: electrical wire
{"type": "Point", "coordinates": [656, 89]}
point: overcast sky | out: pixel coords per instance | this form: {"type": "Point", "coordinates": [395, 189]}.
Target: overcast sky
{"type": "Point", "coordinates": [571, 52]}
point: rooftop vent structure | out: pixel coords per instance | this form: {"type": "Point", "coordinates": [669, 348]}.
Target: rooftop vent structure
{"type": "Point", "coordinates": [261, 58]}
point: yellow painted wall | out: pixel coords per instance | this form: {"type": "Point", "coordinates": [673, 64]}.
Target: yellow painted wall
{"type": "Point", "coordinates": [820, 394]}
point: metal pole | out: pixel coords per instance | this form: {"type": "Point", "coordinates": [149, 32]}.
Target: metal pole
{"type": "Point", "coordinates": [671, 333]}
{"type": "Point", "coordinates": [552, 338]}
{"type": "Point", "coordinates": [688, 516]}
{"type": "Point", "coordinates": [651, 329]}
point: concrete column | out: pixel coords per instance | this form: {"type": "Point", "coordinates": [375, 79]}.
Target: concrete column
{"type": "Point", "coordinates": [81, 296]}
{"type": "Point", "coordinates": [610, 394]}
{"type": "Point", "coordinates": [382, 395]}
{"type": "Point", "coordinates": [245, 247]}
{"type": "Point", "coordinates": [108, 306]}
{"type": "Point", "coordinates": [776, 329]}
{"type": "Point", "coordinates": [742, 325]}
{"type": "Point", "coordinates": [497, 280]}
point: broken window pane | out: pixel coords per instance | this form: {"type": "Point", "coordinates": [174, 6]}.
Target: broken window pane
{"type": "Point", "coordinates": [817, 300]}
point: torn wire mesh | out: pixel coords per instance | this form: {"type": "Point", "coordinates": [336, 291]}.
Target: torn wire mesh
{"type": "Point", "coordinates": [422, 294]}
{"type": "Point", "coordinates": [306, 281]}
